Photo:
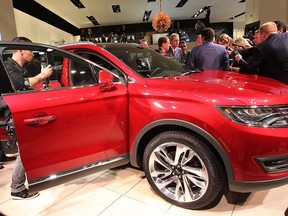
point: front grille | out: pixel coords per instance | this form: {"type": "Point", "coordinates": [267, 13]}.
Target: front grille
{"type": "Point", "coordinates": [274, 165]}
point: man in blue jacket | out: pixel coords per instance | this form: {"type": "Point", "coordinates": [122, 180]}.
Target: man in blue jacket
{"type": "Point", "coordinates": [209, 55]}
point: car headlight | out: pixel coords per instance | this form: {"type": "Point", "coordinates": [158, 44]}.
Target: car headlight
{"type": "Point", "coordinates": [257, 116]}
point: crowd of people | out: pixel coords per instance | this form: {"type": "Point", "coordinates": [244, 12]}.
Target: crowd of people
{"type": "Point", "coordinates": [265, 55]}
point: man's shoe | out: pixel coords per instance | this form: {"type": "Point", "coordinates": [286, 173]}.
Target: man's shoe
{"type": "Point", "coordinates": [24, 195]}
{"type": "Point", "coordinates": [5, 158]}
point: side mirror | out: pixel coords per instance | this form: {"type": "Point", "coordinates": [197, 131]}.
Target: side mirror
{"type": "Point", "coordinates": [106, 80]}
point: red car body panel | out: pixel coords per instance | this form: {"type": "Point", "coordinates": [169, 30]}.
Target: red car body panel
{"type": "Point", "coordinates": [102, 131]}
{"type": "Point", "coordinates": [241, 147]}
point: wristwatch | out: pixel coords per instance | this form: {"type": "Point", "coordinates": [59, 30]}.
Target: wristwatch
{"type": "Point", "coordinates": [26, 84]}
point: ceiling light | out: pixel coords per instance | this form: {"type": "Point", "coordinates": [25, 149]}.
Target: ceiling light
{"type": "Point", "coordinates": [93, 20]}
{"type": "Point", "coordinates": [181, 3]}
{"type": "Point", "coordinates": [116, 8]}
{"type": "Point", "coordinates": [78, 4]}
{"type": "Point", "coordinates": [146, 15]}
{"type": "Point", "coordinates": [206, 8]}
{"type": "Point", "coordinates": [234, 17]}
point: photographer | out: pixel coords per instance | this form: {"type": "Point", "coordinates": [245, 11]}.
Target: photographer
{"type": "Point", "coordinates": [21, 82]}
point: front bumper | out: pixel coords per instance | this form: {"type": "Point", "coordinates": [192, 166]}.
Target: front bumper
{"type": "Point", "coordinates": [251, 186]}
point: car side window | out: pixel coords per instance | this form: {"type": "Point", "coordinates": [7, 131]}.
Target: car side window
{"type": "Point", "coordinates": [41, 57]}
{"type": "Point", "coordinates": [118, 75]}
{"type": "Point", "coordinates": [81, 73]}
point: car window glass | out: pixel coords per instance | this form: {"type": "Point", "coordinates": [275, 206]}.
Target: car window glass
{"type": "Point", "coordinates": [118, 75]}
{"type": "Point", "coordinates": [81, 73]}
{"type": "Point", "coordinates": [147, 62]}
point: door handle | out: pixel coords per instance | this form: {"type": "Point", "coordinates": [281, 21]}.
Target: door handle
{"type": "Point", "coordinates": [37, 121]}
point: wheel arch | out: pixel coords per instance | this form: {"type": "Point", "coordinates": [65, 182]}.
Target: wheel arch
{"type": "Point", "coordinates": [156, 127]}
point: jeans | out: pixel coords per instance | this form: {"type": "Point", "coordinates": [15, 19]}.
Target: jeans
{"type": "Point", "coordinates": [2, 155]}
{"type": "Point", "coordinates": [18, 176]}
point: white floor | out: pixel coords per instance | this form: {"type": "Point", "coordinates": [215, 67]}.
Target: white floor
{"type": "Point", "coordinates": [125, 191]}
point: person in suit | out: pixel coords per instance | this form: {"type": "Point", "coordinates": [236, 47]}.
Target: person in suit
{"type": "Point", "coordinates": [185, 53]}
{"type": "Point", "coordinates": [270, 57]}
{"type": "Point", "coordinates": [174, 49]}
{"type": "Point", "coordinates": [209, 55]}
{"type": "Point", "coordinates": [163, 46]}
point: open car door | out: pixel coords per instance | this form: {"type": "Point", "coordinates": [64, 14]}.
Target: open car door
{"type": "Point", "coordinates": [77, 123]}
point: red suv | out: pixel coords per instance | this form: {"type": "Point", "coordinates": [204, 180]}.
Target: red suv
{"type": "Point", "coordinates": [194, 132]}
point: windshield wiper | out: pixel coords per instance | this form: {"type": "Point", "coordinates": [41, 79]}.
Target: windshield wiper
{"type": "Point", "coordinates": [192, 71]}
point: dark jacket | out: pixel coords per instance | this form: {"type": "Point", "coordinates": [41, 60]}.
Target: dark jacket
{"type": "Point", "coordinates": [17, 74]}
{"type": "Point", "coordinates": [270, 58]}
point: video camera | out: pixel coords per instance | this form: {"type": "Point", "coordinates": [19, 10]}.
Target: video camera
{"type": "Point", "coordinates": [44, 63]}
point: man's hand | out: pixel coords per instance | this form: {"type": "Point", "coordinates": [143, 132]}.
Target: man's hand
{"type": "Point", "coordinates": [238, 57]}
{"type": "Point", "coordinates": [46, 72]}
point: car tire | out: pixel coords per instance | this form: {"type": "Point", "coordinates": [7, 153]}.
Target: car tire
{"type": "Point", "coordinates": [183, 170]}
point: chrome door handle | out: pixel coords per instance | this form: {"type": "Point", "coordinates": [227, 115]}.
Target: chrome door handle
{"type": "Point", "coordinates": [39, 120]}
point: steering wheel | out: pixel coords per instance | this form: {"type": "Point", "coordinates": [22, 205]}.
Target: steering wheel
{"type": "Point", "coordinates": [154, 71]}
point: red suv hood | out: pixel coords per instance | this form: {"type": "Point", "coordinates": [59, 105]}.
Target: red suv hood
{"type": "Point", "coordinates": [241, 87]}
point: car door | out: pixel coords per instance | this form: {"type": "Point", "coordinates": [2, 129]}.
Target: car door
{"type": "Point", "coordinates": [72, 126]}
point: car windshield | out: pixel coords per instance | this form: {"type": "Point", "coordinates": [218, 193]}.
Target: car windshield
{"type": "Point", "coordinates": [147, 62]}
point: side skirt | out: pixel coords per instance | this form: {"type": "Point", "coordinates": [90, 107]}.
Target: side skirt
{"type": "Point", "coordinates": [73, 174]}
